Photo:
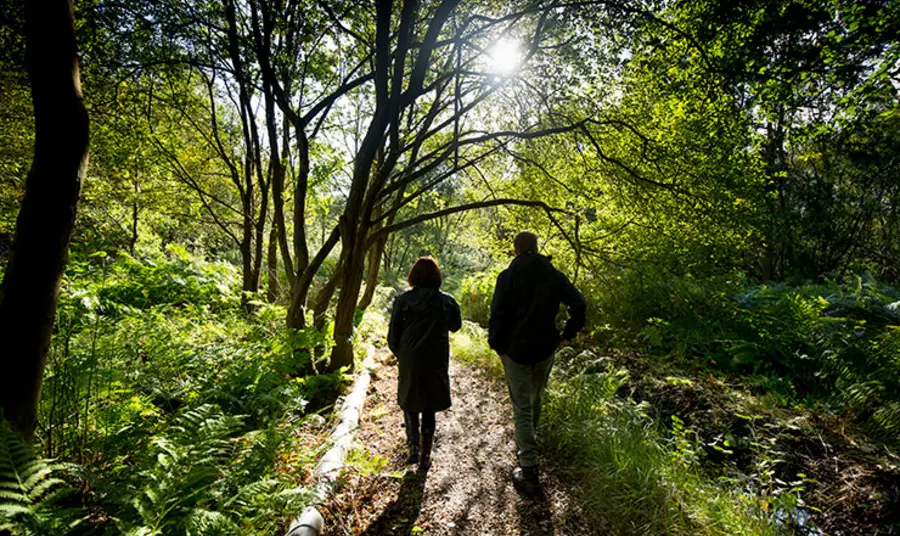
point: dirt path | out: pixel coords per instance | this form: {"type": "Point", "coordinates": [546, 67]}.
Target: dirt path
{"type": "Point", "coordinates": [467, 490]}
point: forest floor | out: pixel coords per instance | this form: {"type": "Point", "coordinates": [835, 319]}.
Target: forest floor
{"type": "Point", "coordinates": [851, 486]}
{"type": "Point", "coordinates": [851, 481]}
{"type": "Point", "coordinates": [468, 488]}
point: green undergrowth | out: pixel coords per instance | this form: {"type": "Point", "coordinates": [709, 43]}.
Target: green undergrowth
{"type": "Point", "coordinates": [469, 345]}
{"type": "Point", "coordinates": [173, 401]}
{"type": "Point", "coordinates": [832, 343]}
{"type": "Point", "coordinates": [475, 295]}
{"type": "Point", "coordinates": [641, 477]}
{"type": "Point", "coordinates": [638, 475]}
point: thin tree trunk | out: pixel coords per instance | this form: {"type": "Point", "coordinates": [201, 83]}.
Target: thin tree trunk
{"type": "Point", "coordinates": [296, 313]}
{"type": "Point", "coordinates": [277, 162]}
{"type": "Point", "coordinates": [323, 298]}
{"type": "Point", "coordinates": [373, 265]}
{"type": "Point", "coordinates": [775, 240]}
{"type": "Point", "coordinates": [279, 224]}
{"type": "Point", "coordinates": [252, 159]}
{"type": "Point", "coordinates": [135, 212]}
{"type": "Point", "coordinates": [30, 288]}
{"type": "Point", "coordinates": [260, 233]}
{"type": "Point", "coordinates": [273, 290]}
{"type": "Point", "coordinates": [376, 250]}
{"type": "Point", "coordinates": [301, 251]}
{"type": "Point", "coordinates": [247, 246]}
{"type": "Point", "coordinates": [305, 269]}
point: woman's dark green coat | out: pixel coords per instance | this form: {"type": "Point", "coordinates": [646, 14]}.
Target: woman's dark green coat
{"type": "Point", "coordinates": [419, 337]}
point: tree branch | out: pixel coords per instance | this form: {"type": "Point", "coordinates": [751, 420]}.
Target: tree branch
{"type": "Point", "coordinates": [385, 231]}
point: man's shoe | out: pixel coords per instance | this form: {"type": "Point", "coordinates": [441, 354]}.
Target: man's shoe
{"type": "Point", "coordinates": [425, 457]}
{"type": "Point", "coordinates": [413, 454]}
{"type": "Point", "coordinates": [525, 479]}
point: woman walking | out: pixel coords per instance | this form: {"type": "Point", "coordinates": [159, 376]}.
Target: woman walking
{"type": "Point", "coordinates": [419, 336]}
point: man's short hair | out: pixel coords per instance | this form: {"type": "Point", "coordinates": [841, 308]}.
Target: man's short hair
{"type": "Point", "coordinates": [525, 242]}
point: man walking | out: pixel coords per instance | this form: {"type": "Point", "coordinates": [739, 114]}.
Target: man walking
{"type": "Point", "coordinates": [523, 331]}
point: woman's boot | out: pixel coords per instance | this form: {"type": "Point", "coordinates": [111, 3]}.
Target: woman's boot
{"type": "Point", "coordinates": [411, 423]}
{"type": "Point", "coordinates": [425, 457]}
{"type": "Point", "coordinates": [413, 453]}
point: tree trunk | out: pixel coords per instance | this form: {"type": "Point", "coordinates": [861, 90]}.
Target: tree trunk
{"type": "Point", "coordinates": [30, 288]}
{"type": "Point", "coordinates": [299, 293]}
{"type": "Point", "coordinates": [372, 268]}
{"type": "Point", "coordinates": [260, 233]}
{"type": "Point", "coordinates": [247, 279]}
{"type": "Point", "coordinates": [376, 251]}
{"type": "Point", "coordinates": [775, 239]}
{"type": "Point", "coordinates": [279, 225]}
{"type": "Point", "coordinates": [306, 270]}
{"type": "Point", "coordinates": [301, 251]}
{"type": "Point", "coordinates": [353, 223]}
{"type": "Point", "coordinates": [296, 318]}
{"type": "Point", "coordinates": [252, 159]}
{"type": "Point", "coordinates": [277, 162]}
{"type": "Point", "coordinates": [135, 212]}
{"type": "Point", "coordinates": [323, 298]}
{"type": "Point", "coordinates": [345, 313]}
{"type": "Point", "coordinates": [273, 290]}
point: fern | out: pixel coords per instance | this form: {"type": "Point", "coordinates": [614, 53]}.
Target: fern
{"type": "Point", "coordinates": [196, 488]}
{"type": "Point", "coordinates": [262, 504]}
{"type": "Point", "coordinates": [30, 494]}
{"type": "Point", "coordinates": [178, 491]}
{"type": "Point", "coordinates": [203, 522]}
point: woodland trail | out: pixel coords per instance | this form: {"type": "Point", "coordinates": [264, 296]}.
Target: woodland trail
{"type": "Point", "coordinates": [467, 490]}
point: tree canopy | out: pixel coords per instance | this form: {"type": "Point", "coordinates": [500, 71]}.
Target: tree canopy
{"type": "Point", "coordinates": [719, 177]}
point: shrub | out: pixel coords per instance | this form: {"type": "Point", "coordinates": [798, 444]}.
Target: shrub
{"type": "Point", "coordinates": [199, 483]}
{"type": "Point", "coordinates": [475, 295]}
{"type": "Point", "coordinates": [833, 340]}
{"type": "Point", "coordinates": [174, 403]}
{"type": "Point", "coordinates": [469, 345]}
{"type": "Point", "coordinates": [31, 492]}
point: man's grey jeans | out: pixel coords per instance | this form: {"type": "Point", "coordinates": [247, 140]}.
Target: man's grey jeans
{"type": "Point", "coordinates": [526, 386]}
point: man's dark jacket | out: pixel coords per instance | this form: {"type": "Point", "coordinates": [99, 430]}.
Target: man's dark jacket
{"type": "Point", "coordinates": [418, 336]}
{"type": "Point", "coordinates": [523, 312]}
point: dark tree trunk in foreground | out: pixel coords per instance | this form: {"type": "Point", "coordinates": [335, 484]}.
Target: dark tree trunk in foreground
{"type": "Point", "coordinates": [30, 289]}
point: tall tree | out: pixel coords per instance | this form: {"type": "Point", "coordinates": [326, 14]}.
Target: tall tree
{"type": "Point", "coordinates": [30, 288]}
{"type": "Point", "coordinates": [431, 78]}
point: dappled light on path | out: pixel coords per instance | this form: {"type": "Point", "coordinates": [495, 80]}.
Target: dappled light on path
{"type": "Point", "coordinates": [466, 491]}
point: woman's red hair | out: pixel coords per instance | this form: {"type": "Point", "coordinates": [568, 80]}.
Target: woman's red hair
{"type": "Point", "coordinates": [425, 273]}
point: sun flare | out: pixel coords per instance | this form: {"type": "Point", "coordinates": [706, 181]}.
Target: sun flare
{"type": "Point", "coordinates": [504, 57]}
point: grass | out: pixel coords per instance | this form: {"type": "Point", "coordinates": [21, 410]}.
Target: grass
{"type": "Point", "coordinates": [637, 480]}
{"type": "Point", "coordinates": [636, 476]}
{"type": "Point", "coordinates": [469, 345]}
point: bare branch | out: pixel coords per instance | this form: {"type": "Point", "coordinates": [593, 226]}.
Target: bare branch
{"type": "Point", "coordinates": [385, 231]}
